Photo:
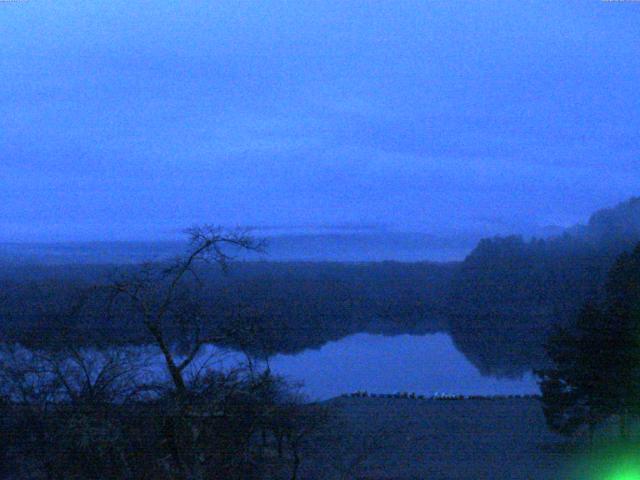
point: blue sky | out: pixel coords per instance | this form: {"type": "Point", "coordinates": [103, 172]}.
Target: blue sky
{"type": "Point", "coordinates": [132, 120]}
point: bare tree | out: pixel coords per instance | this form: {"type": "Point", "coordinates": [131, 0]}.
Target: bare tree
{"type": "Point", "coordinates": [160, 295]}
{"type": "Point", "coordinates": [167, 300]}
{"type": "Point", "coordinates": [83, 411]}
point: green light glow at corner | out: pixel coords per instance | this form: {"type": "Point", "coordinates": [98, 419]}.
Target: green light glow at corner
{"type": "Point", "coordinates": [613, 462]}
{"type": "Point", "coordinates": [625, 472]}
{"type": "Point", "coordinates": [623, 466]}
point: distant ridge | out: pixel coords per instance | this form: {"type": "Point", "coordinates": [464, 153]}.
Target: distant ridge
{"type": "Point", "coordinates": [335, 247]}
{"type": "Point", "coordinates": [619, 222]}
{"type": "Point", "coordinates": [607, 225]}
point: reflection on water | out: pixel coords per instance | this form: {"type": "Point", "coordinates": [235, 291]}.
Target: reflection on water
{"type": "Point", "coordinates": [424, 364]}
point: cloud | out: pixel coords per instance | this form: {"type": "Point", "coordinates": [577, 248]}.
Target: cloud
{"type": "Point", "coordinates": [419, 115]}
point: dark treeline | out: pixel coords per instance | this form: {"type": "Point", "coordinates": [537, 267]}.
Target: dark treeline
{"type": "Point", "coordinates": [290, 306]}
{"type": "Point", "coordinates": [595, 364]}
{"type": "Point", "coordinates": [509, 293]}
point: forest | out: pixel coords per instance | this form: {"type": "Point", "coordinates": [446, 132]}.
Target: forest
{"type": "Point", "coordinates": [498, 304]}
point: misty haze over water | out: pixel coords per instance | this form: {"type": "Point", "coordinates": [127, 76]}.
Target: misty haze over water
{"type": "Point", "coordinates": [404, 247]}
{"type": "Point", "coordinates": [367, 245]}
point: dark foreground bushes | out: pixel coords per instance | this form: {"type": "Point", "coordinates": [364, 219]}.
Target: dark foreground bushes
{"type": "Point", "coordinates": [65, 418]}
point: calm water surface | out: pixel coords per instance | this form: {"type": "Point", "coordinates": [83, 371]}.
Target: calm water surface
{"type": "Point", "coordinates": [424, 364]}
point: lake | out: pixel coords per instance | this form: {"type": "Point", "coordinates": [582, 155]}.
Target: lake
{"type": "Point", "coordinates": [424, 364]}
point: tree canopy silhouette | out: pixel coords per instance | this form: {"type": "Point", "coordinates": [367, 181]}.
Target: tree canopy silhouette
{"type": "Point", "coordinates": [595, 372]}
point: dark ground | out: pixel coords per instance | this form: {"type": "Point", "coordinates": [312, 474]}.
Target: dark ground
{"type": "Point", "coordinates": [440, 439]}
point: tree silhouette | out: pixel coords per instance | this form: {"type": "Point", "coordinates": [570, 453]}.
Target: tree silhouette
{"type": "Point", "coordinates": [595, 372]}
